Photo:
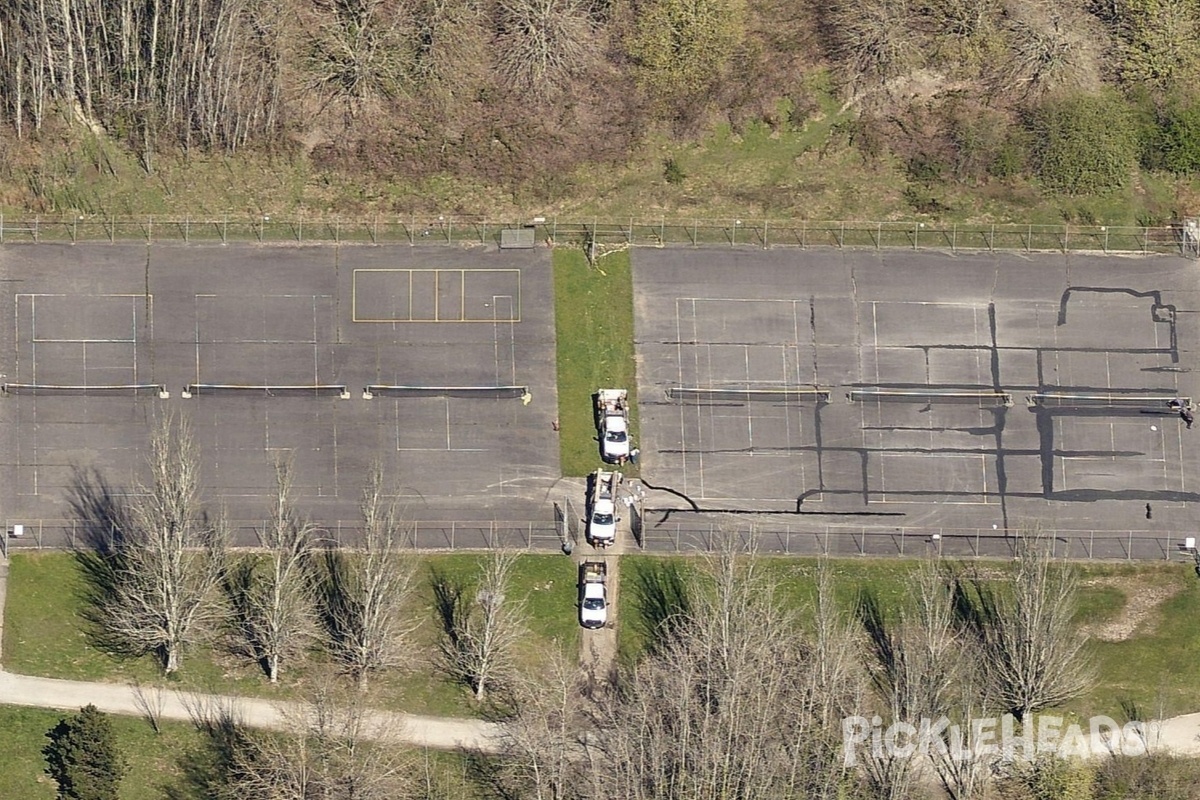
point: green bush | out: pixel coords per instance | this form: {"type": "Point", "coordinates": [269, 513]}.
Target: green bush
{"type": "Point", "coordinates": [682, 46]}
{"type": "Point", "coordinates": [1083, 144]}
{"type": "Point", "coordinates": [1179, 139]}
{"type": "Point", "coordinates": [82, 757]}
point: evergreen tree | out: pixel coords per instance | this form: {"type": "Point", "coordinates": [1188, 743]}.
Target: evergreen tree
{"type": "Point", "coordinates": [83, 758]}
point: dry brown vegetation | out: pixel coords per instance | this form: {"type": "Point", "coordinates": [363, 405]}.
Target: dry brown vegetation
{"type": "Point", "coordinates": [518, 93]}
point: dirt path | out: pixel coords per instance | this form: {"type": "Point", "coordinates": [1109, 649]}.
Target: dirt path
{"type": "Point", "coordinates": [598, 648]}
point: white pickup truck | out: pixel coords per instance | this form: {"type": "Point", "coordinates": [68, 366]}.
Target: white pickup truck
{"type": "Point", "coordinates": [612, 422]}
{"type": "Point", "coordinates": [593, 594]}
{"type": "Point", "coordinates": [602, 508]}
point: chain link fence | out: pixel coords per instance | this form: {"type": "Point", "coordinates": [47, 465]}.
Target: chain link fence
{"type": "Point", "coordinates": [596, 235]}
{"type": "Point", "coordinates": [69, 534]}
{"type": "Point", "coordinates": [678, 537]}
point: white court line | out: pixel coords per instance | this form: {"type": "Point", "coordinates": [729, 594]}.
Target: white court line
{"type": "Point", "coordinates": [988, 500]}
{"type": "Point", "coordinates": [449, 448]}
{"type": "Point", "coordinates": [512, 338]}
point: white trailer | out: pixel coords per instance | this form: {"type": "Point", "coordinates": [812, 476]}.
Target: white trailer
{"type": "Point", "coordinates": [612, 422]}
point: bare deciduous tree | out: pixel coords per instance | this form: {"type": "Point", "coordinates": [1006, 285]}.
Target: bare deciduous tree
{"type": "Point", "coordinates": [363, 592]}
{"type": "Point", "coordinates": [335, 747]}
{"type": "Point", "coordinates": [359, 54]}
{"type": "Point", "coordinates": [480, 630]}
{"type": "Point", "coordinates": [1030, 655]}
{"type": "Point", "coordinates": [915, 666]}
{"type": "Point", "coordinates": [740, 701]}
{"type": "Point", "coordinates": [202, 73]}
{"type": "Point", "coordinates": [542, 747]}
{"type": "Point", "coordinates": [543, 42]}
{"type": "Point", "coordinates": [1053, 46]}
{"type": "Point", "coordinates": [167, 561]}
{"type": "Point", "coordinates": [871, 41]}
{"type": "Point", "coordinates": [272, 594]}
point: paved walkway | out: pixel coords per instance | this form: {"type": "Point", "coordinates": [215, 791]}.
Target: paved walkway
{"type": "Point", "coordinates": [442, 733]}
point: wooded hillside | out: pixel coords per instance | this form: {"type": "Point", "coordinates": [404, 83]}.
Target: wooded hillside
{"type": "Point", "coordinates": [1077, 94]}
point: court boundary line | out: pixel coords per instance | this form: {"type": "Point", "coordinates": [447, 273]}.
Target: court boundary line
{"type": "Point", "coordinates": [436, 271]}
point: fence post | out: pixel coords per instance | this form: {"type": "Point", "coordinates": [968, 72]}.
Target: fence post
{"type": "Point", "coordinates": [450, 230]}
{"type": "Point", "coordinates": [992, 240]}
{"type": "Point", "coordinates": [878, 235]}
{"type": "Point", "coordinates": [842, 236]}
{"type": "Point", "coordinates": [1105, 229]}
{"type": "Point", "coordinates": [337, 230]}
{"type": "Point", "coordinates": [630, 237]}
{"type": "Point", "coordinates": [1145, 239]}
{"type": "Point", "coordinates": [112, 229]}
{"type": "Point", "coordinates": [74, 228]}
{"type": "Point", "coordinates": [662, 231]}
{"type": "Point", "coordinates": [916, 232]}
{"type": "Point", "coordinates": [733, 233]}
{"type": "Point", "coordinates": [764, 234]}
{"type": "Point", "coordinates": [803, 233]}
{"type": "Point", "coordinates": [1, 228]}
{"type": "Point", "coordinates": [225, 230]}
{"type": "Point", "coordinates": [375, 230]}
{"type": "Point", "coordinates": [1029, 239]}
{"type": "Point", "coordinates": [36, 222]}
{"type": "Point", "coordinates": [150, 229]}
{"type": "Point", "coordinates": [1066, 237]}
{"type": "Point", "coordinates": [954, 238]}
{"type": "Point", "coordinates": [186, 225]}
{"type": "Point", "coordinates": [695, 232]}
{"type": "Point", "coordinates": [1129, 552]}
{"type": "Point", "coordinates": [300, 228]}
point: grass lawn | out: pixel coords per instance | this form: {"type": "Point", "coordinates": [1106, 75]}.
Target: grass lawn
{"type": "Point", "coordinates": [157, 762]}
{"type": "Point", "coordinates": [593, 310]}
{"type": "Point", "coordinates": [44, 635]}
{"type": "Point", "coordinates": [153, 759]}
{"type": "Point", "coordinates": [1148, 664]}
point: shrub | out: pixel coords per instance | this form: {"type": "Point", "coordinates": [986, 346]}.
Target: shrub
{"type": "Point", "coordinates": [1179, 137]}
{"type": "Point", "coordinates": [672, 172]}
{"type": "Point", "coordinates": [82, 757]}
{"type": "Point", "coordinates": [682, 46]}
{"type": "Point", "coordinates": [1082, 144]}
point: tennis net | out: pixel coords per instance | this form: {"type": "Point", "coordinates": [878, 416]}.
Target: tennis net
{"type": "Point", "coordinates": [268, 390]}
{"type": "Point", "coordinates": [495, 392]}
{"type": "Point", "coordinates": [747, 394]}
{"type": "Point", "coordinates": [77, 390]}
{"type": "Point", "coordinates": [982, 398]}
{"type": "Point", "coordinates": [1166, 404]}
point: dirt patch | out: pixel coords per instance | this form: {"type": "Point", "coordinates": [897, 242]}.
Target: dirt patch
{"type": "Point", "coordinates": [1140, 601]}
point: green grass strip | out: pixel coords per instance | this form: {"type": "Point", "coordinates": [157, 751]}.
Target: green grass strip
{"type": "Point", "coordinates": [594, 323]}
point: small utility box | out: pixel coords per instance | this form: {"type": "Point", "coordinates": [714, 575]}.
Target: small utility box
{"type": "Point", "coordinates": [1189, 543]}
{"type": "Point", "coordinates": [18, 531]}
{"type": "Point", "coordinates": [518, 238]}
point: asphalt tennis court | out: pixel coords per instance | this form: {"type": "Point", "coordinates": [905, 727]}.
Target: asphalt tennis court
{"type": "Point", "coordinates": [863, 401]}
{"type": "Point", "coordinates": [330, 356]}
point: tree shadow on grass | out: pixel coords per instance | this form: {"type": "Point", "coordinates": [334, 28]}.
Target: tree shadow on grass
{"type": "Point", "coordinates": [101, 515]}
{"type": "Point", "coordinates": [662, 599]}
